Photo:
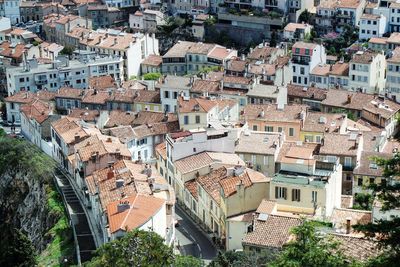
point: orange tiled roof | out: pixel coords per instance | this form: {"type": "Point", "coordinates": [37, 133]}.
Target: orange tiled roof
{"type": "Point", "coordinates": [37, 110]}
{"type": "Point", "coordinates": [138, 209]}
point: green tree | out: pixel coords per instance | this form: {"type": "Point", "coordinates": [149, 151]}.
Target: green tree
{"type": "Point", "coordinates": [305, 17]}
{"type": "Point", "coordinates": [387, 231]}
{"type": "Point", "coordinates": [187, 261]}
{"type": "Point", "coordinates": [136, 248]}
{"type": "Point", "coordinates": [274, 39]}
{"type": "Point", "coordinates": [67, 50]}
{"type": "Point", "coordinates": [310, 249]}
{"type": "Point", "coordinates": [242, 258]}
{"type": "Point", "coordinates": [15, 248]}
{"type": "Point", "coordinates": [152, 76]}
{"type": "Point", "coordinates": [363, 201]}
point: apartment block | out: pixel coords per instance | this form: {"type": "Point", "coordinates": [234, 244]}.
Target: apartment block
{"type": "Point", "coordinates": [274, 118]}
{"type": "Point", "coordinates": [372, 26]}
{"type": "Point", "coordinates": [189, 57]}
{"type": "Point", "coordinates": [393, 75]}
{"type": "Point", "coordinates": [172, 87]}
{"type": "Point", "coordinates": [260, 150]}
{"type": "Point", "coordinates": [196, 113]}
{"type": "Point", "coordinates": [394, 18]}
{"type": "Point", "coordinates": [306, 183]}
{"type": "Point", "coordinates": [133, 48]}
{"type": "Point", "coordinates": [35, 123]}
{"type": "Point", "coordinates": [305, 57]}
{"type": "Point", "coordinates": [367, 72]}
{"type": "Point", "coordinates": [33, 76]}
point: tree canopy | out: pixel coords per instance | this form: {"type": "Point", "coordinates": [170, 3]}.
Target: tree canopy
{"type": "Point", "coordinates": [140, 249]}
{"type": "Point", "coordinates": [311, 249]}
{"type": "Point", "coordinates": [15, 248]}
{"type": "Point", "coordinates": [387, 231]}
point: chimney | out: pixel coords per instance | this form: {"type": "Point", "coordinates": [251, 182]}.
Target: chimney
{"type": "Point", "coordinates": [109, 140]}
{"type": "Point", "coordinates": [119, 183]}
{"type": "Point", "coordinates": [262, 113]}
{"type": "Point", "coordinates": [115, 41]}
{"type": "Point", "coordinates": [110, 174]}
{"type": "Point", "coordinates": [348, 225]}
{"type": "Point", "coordinates": [349, 96]}
{"type": "Point", "coordinates": [123, 206]}
{"type": "Point", "coordinates": [76, 137]}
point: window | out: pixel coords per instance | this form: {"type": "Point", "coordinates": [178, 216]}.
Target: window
{"type": "Point", "coordinates": [359, 181]}
{"type": "Point", "coordinates": [175, 95]}
{"type": "Point", "coordinates": [254, 127]}
{"type": "Point", "coordinates": [314, 196]}
{"type": "Point", "coordinates": [166, 94]}
{"type": "Point", "coordinates": [318, 139]}
{"type": "Point", "coordinates": [197, 118]}
{"type": "Point", "coordinates": [280, 129]}
{"type": "Point", "coordinates": [296, 195]}
{"type": "Point", "coordinates": [186, 120]}
{"type": "Point", "coordinates": [294, 68]}
{"type": "Point", "coordinates": [265, 160]}
{"type": "Point", "coordinates": [307, 51]}
{"type": "Point", "coordinates": [347, 161]}
{"type": "Point", "coordinates": [269, 128]}
{"type": "Point", "coordinates": [291, 131]}
{"type": "Point", "coordinates": [371, 180]}
{"type": "Point", "coordinates": [280, 192]}
{"type": "Point", "coordinates": [302, 70]}
{"type": "Point", "coordinates": [297, 51]}
{"type": "Point", "coordinates": [253, 159]}
{"type": "Point", "coordinates": [383, 182]}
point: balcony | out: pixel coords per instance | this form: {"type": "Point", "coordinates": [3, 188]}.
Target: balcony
{"type": "Point", "coordinates": [41, 81]}
{"type": "Point", "coordinates": [300, 61]}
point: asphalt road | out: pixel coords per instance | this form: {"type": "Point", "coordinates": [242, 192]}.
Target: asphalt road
{"type": "Point", "coordinates": [191, 239]}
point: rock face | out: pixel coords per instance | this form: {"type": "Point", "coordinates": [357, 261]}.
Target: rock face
{"type": "Point", "coordinates": [23, 203]}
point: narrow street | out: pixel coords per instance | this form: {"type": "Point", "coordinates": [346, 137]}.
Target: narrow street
{"type": "Point", "coordinates": [192, 240]}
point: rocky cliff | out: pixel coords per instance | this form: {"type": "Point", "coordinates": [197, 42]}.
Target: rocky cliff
{"type": "Point", "coordinates": [25, 175]}
{"type": "Point", "coordinates": [23, 204]}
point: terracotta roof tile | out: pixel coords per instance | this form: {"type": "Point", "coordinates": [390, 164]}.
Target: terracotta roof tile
{"type": "Point", "coordinates": [191, 186]}
{"type": "Point", "coordinates": [310, 93]}
{"type": "Point", "coordinates": [193, 163]}
{"type": "Point", "coordinates": [339, 217]}
{"type": "Point", "coordinates": [266, 206]}
{"type": "Point", "coordinates": [323, 122]}
{"type": "Point", "coordinates": [37, 110]}
{"type": "Point", "coordinates": [202, 104]}
{"type": "Point", "coordinates": [138, 209]}
{"type": "Point", "coordinates": [273, 232]}
{"type": "Point", "coordinates": [152, 60]}
{"type": "Point", "coordinates": [258, 143]}
{"type": "Point", "coordinates": [365, 57]}
{"type": "Point", "coordinates": [161, 149]}
{"type": "Point", "coordinates": [264, 52]}
{"type": "Point", "coordinates": [201, 86]}
{"type": "Point", "coordinates": [85, 114]}
{"type": "Point", "coordinates": [358, 248]}
{"type": "Point", "coordinates": [340, 98]}
{"type": "Point", "coordinates": [272, 113]}
{"type": "Point", "coordinates": [367, 164]}
{"type": "Point", "coordinates": [102, 83]}
{"type": "Point", "coordinates": [347, 146]}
